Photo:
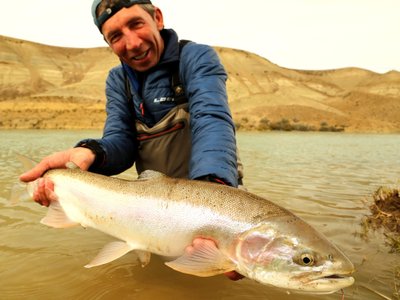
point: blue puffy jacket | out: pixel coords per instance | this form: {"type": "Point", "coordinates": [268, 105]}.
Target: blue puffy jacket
{"type": "Point", "coordinates": [212, 128]}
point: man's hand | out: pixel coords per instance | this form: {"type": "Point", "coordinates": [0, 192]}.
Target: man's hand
{"type": "Point", "coordinates": [80, 156]}
{"type": "Point", "coordinates": [233, 275]}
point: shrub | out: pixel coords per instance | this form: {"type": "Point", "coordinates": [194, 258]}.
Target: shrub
{"type": "Point", "coordinates": [264, 124]}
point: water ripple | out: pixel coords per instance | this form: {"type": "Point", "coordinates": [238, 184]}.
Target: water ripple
{"type": "Point", "coordinates": [324, 178]}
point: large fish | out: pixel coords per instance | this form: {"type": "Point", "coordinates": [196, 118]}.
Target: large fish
{"type": "Point", "coordinates": [165, 216]}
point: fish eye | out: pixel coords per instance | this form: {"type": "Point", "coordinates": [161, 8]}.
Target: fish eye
{"type": "Point", "coordinates": [307, 259]}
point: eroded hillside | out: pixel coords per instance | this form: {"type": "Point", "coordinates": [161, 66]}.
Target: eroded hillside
{"type": "Point", "coordinates": [53, 87]}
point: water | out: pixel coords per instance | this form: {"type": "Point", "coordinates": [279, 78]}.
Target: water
{"type": "Point", "coordinates": [325, 178]}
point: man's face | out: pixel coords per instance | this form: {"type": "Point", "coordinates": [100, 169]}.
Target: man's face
{"type": "Point", "coordinates": [134, 35]}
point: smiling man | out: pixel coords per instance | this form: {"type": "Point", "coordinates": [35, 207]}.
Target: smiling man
{"type": "Point", "coordinates": [167, 107]}
{"type": "Point", "coordinates": [133, 33]}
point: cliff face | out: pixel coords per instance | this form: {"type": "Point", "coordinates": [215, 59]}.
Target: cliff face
{"type": "Point", "coordinates": [53, 87]}
{"type": "Point", "coordinates": [355, 99]}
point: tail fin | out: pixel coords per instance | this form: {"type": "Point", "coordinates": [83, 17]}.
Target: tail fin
{"type": "Point", "coordinates": [19, 192]}
{"type": "Point", "coordinates": [22, 191]}
{"type": "Point", "coordinates": [26, 162]}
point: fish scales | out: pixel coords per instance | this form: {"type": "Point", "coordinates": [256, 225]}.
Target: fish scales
{"type": "Point", "coordinates": [205, 228]}
{"type": "Point", "coordinates": [214, 196]}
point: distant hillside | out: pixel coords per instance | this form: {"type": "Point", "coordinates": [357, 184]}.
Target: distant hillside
{"type": "Point", "coordinates": [52, 87]}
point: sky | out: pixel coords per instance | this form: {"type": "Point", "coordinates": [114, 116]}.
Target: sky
{"type": "Point", "coordinates": [296, 34]}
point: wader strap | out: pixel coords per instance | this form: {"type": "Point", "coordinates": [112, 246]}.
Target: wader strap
{"type": "Point", "coordinates": [176, 84]}
{"type": "Point", "coordinates": [128, 93]}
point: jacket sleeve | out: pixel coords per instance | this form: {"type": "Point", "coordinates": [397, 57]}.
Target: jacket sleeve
{"type": "Point", "coordinates": [212, 127]}
{"type": "Point", "coordinates": [119, 135]}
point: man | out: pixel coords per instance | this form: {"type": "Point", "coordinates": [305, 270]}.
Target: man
{"type": "Point", "coordinates": [150, 121]}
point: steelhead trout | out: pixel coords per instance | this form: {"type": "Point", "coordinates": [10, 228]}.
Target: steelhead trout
{"type": "Point", "coordinates": [165, 216]}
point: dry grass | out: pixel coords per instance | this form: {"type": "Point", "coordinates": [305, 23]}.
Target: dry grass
{"type": "Point", "coordinates": [385, 214]}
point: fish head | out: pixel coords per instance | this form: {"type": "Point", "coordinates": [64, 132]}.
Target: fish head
{"type": "Point", "coordinates": [288, 253]}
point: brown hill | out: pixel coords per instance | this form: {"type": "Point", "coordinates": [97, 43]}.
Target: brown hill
{"type": "Point", "coordinates": [52, 87]}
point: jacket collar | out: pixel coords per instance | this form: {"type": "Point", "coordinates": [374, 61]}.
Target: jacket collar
{"type": "Point", "coordinates": [171, 46]}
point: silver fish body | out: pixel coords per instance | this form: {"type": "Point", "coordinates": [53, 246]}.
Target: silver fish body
{"type": "Point", "coordinates": [162, 215]}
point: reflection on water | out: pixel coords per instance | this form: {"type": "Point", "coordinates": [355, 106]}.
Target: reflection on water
{"type": "Point", "coordinates": [324, 178]}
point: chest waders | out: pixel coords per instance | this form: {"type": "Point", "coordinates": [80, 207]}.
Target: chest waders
{"type": "Point", "coordinates": [166, 147]}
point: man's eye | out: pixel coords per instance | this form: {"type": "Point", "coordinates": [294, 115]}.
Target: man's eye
{"type": "Point", "coordinates": [135, 24]}
{"type": "Point", "coordinates": [114, 38]}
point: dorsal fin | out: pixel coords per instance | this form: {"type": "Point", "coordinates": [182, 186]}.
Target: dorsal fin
{"type": "Point", "coordinates": [71, 165]}
{"type": "Point", "coordinates": [150, 174]}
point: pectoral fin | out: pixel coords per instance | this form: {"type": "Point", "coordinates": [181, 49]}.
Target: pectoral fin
{"type": "Point", "coordinates": [202, 259]}
{"type": "Point", "coordinates": [56, 217]}
{"type": "Point", "coordinates": [150, 174]}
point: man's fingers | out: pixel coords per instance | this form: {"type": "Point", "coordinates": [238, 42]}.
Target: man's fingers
{"type": "Point", "coordinates": [49, 191]}
{"type": "Point", "coordinates": [38, 194]}
{"type": "Point", "coordinates": [38, 170]}
{"type": "Point", "coordinates": [233, 275]}
{"type": "Point", "coordinates": [34, 173]}
{"type": "Point", "coordinates": [44, 192]}
{"type": "Point", "coordinates": [82, 157]}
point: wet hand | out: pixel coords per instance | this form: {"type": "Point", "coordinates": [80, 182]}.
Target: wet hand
{"type": "Point", "coordinates": [82, 157]}
{"type": "Point", "coordinates": [43, 189]}
{"type": "Point", "coordinates": [233, 275]}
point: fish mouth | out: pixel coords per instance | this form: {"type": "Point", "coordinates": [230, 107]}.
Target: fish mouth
{"type": "Point", "coordinates": [332, 283]}
{"type": "Point", "coordinates": [327, 283]}
{"type": "Point", "coordinates": [334, 276]}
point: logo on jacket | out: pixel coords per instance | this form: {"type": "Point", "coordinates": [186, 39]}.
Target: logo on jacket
{"type": "Point", "coordinates": [162, 100]}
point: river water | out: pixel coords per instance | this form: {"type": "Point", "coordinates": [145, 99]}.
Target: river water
{"type": "Point", "coordinates": [325, 178]}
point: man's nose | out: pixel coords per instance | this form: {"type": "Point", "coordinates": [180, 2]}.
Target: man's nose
{"type": "Point", "coordinates": [132, 40]}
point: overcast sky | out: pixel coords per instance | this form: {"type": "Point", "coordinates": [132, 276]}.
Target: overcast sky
{"type": "Point", "coordinates": [297, 34]}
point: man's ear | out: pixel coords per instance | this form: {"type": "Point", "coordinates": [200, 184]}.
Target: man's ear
{"type": "Point", "coordinates": [158, 16]}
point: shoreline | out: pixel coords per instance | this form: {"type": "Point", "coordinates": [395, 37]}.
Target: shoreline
{"type": "Point", "coordinates": [3, 129]}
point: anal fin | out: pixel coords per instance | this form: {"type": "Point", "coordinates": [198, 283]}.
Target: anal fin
{"type": "Point", "coordinates": [110, 252]}
{"type": "Point", "coordinates": [115, 250]}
